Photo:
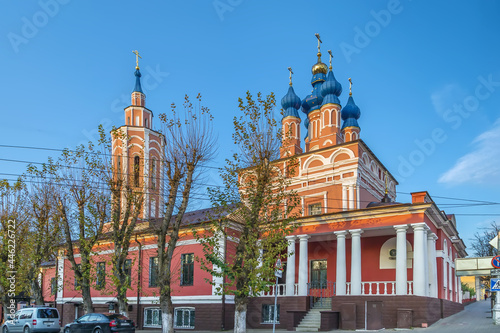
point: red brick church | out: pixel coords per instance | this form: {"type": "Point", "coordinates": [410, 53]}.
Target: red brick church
{"type": "Point", "coordinates": [359, 259]}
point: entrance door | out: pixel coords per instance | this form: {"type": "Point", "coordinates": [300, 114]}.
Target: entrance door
{"type": "Point", "coordinates": [374, 315]}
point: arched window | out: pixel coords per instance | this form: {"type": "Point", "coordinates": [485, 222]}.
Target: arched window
{"type": "Point", "coordinates": [387, 258]}
{"type": "Point", "coordinates": [118, 164]}
{"type": "Point", "coordinates": [153, 173]}
{"type": "Point", "coordinates": [136, 171]}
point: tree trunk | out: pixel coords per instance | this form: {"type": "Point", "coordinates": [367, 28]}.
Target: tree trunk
{"type": "Point", "coordinates": [122, 303]}
{"type": "Point", "coordinates": [86, 298]}
{"type": "Point", "coordinates": [240, 314]}
{"type": "Point", "coordinates": [167, 314]}
{"type": "Point", "coordinates": [37, 292]}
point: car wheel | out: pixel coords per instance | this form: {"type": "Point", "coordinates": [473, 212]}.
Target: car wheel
{"type": "Point", "coordinates": [66, 330]}
{"type": "Point", "coordinates": [98, 330]}
{"type": "Point", "coordinates": [26, 329]}
{"type": "Point", "coordinates": [5, 329]}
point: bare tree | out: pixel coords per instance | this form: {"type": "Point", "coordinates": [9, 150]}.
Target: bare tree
{"type": "Point", "coordinates": [257, 197]}
{"type": "Point", "coordinates": [480, 244]}
{"type": "Point", "coordinates": [190, 144]}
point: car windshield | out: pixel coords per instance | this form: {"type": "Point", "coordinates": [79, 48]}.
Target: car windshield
{"type": "Point", "coordinates": [47, 313]}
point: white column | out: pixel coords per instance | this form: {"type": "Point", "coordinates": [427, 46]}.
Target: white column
{"type": "Point", "coordinates": [445, 269]}
{"type": "Point", "coordinates": [357, 198]}
{"type": "Point", "coordinates": [340, 279]}
{"type": "Point", "coordinates": [290, 266]}
{"type": "Point", "coordinates": [426, 261]}
{"type": "Point", "coordinates": [356, 261]}
{"type": "Point", "coordinates": [478, 288]}
{"type": "Point", "coordinates": [220, 251]}
{"type": "Point", "coordinates": [450, 279]}
{"type": "Point", "coordinates": [460, 294]}
{"type": "Point", "coordinates": [431, 249]}
{"type": "Point", "coordinates": [401, 269]}
{"type": "Point", "coordinates": [303, 265]}
{"type": "Point", "coordinates": [419, 259]}
{"type": "Point", "coordinates": [60, 275]}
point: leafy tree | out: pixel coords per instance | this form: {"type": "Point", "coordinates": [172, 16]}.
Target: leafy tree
{"type": "Point", "coordinates": [82, 205]}
{"type": "Point", "coordinates": [255, 195]}
{"type": "Point", "coordinates": [190, 144]}
{"type": "Point", "coordinates": [480, 244]}
{"type": "Point", "coordinates": [44, 234]}
{"type": "Point", "coordinates": [12, 230]}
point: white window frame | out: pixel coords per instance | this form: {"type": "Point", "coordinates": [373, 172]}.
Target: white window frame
{"type": "Point", "coordinates": [154, 309]}
{"type": "Point", "coordinates": [182, 310]}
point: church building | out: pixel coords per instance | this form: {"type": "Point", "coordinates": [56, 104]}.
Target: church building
{"type": "Point", "coordinates": [359, 260]}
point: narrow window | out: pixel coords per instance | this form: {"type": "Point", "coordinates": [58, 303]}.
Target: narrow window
{"type": "Point", "coordinates": [127, 269]}
{"type": "Point", "coordinates": [187, 270]}
{"type": "Point", "coordinates": [137, 120]}
{"type": "Point", "coordinates": [53, 286]}
{"type": "Point", "coordinates": [119, 164]}
{"type": "Point", "coordinates": [268, 314]}
{"type": "Point", "coordinates": [136, 171]}
{"type": "Point", "coordinates": [153, 272]}
{"type": "Point", "coordinates": [100, 275]}
{"type": "Point", "coordinates": [315, 209]}
{"type": "Point", "coordinates": [77, 284]}
{"type": "Point", "coordinates": [128, 121]}
{"type": "Point", "coordinates": [153, 173]}
{"type": "Point", "coordinates": [146, 122]}
{"type": "Point", "coordinates": [184, 318]}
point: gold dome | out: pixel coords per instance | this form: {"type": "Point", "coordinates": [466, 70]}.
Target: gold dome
{"type": "Point", "coordinates": [319, 68]}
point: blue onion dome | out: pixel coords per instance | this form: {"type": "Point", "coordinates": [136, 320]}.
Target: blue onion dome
{"type": "Point", "coordinates": [138, 87]}
{"type": "Point", "coordinates": [290, 103]}
{"type": "Point", "coordinates": [350, 113]}
{"type": "Point", "coordinates": [331, 89]}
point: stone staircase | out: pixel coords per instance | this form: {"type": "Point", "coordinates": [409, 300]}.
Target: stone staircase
{"type": "Point", "coordinates": [312, 320]}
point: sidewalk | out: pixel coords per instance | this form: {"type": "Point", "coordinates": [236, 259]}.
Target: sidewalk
{"type": "Point", "coordinates": [476, 318]}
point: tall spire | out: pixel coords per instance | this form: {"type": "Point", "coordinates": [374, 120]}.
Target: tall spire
{"type": "Point", "coordinates": [138, 75]}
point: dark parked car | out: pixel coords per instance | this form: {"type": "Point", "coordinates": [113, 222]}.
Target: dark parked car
{"type": "Point", "coordinates": [101, 323]}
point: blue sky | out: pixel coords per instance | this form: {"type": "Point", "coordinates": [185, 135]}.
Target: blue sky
{"type": "Point", "coordinates": [426, 76]}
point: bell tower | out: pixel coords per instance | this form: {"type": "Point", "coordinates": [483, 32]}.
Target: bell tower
{"type": "Point", "coordinates": [138, 151]}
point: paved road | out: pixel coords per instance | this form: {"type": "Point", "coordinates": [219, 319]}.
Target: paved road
{"type": "Point", "coordinates": [476, 318]}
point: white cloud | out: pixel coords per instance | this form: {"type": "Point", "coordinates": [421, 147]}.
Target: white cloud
{"type": "Point", "coordinates": [480, 166]}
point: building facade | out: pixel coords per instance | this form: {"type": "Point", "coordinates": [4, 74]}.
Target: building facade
{"type": "Point", "coordinates": [358, 260]}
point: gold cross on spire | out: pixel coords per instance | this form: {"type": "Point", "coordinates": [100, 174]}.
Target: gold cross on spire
{"type": "Point", "coordinates": [350, 87]}
{"type": "Point", "coordinates": [291, 72]}
{"type": "Point", "coordinates": [319, 45]}
{"type": "Point", "coordinates": [331, 56]}
{"type": "Point", "coordinates": [137, 56]}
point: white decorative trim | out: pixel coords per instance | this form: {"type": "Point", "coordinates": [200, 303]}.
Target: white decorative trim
{"type": "Point", "coordinates": [146, 300]}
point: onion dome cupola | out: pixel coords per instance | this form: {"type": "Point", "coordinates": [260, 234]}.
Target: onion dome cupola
{"type": "Point", "coordinates": [290, 102]}
{"type": "Point", "coordinates": [290, 124]}
{"type": "Point", "coordinates": [351, 112]}
{"type": "Point", "coordinates": [138, 75]}
{"type": "Point", "coordinates": [319, 70]}
{"type": "Point", "coordinates": [331, 88]}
